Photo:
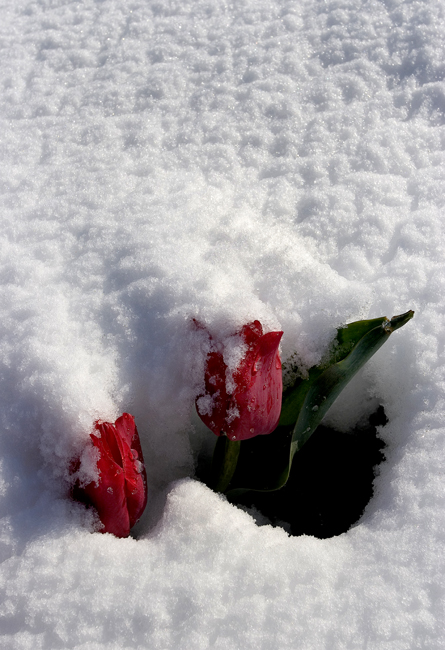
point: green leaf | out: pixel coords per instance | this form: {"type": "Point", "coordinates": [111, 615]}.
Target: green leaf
{"type": "Point", "coordinates": [345, 341]}
{"type": "Point", "coordinates": [264, 462]}
{"type": "Point", "coordinates": [328, 385]}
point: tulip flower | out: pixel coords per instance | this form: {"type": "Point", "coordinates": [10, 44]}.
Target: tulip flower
{"type": "Point", "coordinates": [247, 403]}
{"type": "Point", "coordinates": [120, 493]}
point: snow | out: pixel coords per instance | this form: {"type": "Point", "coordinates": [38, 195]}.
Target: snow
{"type": "Point", "coordinates": [263, 159]}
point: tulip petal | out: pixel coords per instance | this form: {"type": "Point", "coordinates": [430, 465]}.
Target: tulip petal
{"type": "Point", "coordinates": [251, 332]}
{"type": "Point", "coordinates": [120, 494]}
{"type": "Point", "coordinates": [253, 407]}
{"type": "Point", "coordinates": [259, 404]}
{"type": "Point", "coordinates": [215, 385]}
{"type": "Point", "coordinates": [108, 495]}
{"type": "Point", "coordinates": [134, 470]}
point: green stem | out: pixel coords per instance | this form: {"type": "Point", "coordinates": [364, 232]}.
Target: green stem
{"type": "Point", "coordinates": [225, 458]}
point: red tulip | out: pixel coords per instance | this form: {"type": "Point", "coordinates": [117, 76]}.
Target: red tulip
{"type": "Point", "coordinates": [120, 494]}
{"type": "Point", "coordinates": [251, 405]}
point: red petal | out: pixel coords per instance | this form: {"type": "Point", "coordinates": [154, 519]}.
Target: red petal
{"type": "Point", "coordinates": [110, 442]}
{"type": "Point", "coordinates": [108, 495]}
{"type": "Point", "coordinates": [215, 386]}
{"type": "Point", "coordinates": [134, 469]}
{"type": "Point", "coordinates": [120, 495]}
{"type": "Point", "coordinates": [258, 401]}
{"type": "Point", "coordinates": [252, 332]}
{"type": "Point", "coordinates": [258, 379]}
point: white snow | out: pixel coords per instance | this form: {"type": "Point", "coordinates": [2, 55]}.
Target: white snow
{"type": "Point", "coordinates": [164, 160]}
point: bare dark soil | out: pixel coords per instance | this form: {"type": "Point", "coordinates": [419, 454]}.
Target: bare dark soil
{"type": "Point", "coordinates": [331, 482]}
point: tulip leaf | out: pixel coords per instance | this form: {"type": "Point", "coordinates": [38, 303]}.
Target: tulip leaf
{"type": "Point", "coordinates": [344, 343]}
{"type": "Point", "coordinates": [264, 462]}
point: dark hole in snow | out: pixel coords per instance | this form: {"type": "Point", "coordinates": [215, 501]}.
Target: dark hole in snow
{"type": "Point", "coordinates": [331, 482]}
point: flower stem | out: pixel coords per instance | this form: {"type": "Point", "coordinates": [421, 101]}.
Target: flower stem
{"type": "Point", "coordinates": [225, 458]}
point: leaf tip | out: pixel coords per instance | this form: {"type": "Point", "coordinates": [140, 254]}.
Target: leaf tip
{"type": "Point", "coordinates": [399, 321]}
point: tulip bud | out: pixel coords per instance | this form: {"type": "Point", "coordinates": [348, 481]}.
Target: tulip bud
{"type": "Point", "coordinates": [246, 403]}
{"type": "Point", "coordinates": [120, 493]}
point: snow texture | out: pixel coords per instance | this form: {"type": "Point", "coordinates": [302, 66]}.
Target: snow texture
{"type": "Point", "coordinates": [164, 160]}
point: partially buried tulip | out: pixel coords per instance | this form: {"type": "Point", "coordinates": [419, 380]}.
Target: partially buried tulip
{"type": "Point", "coordinates": [248, 403]}
{"type": "Point", "coordinates": [120, 493]}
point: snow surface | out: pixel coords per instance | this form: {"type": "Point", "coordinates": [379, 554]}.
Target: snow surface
{"type": "Point", "coordinates": [164, 160]}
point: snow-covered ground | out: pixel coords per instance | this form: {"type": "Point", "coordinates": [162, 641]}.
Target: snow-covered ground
{"type": "Point", "coordinates": [163, 160]}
